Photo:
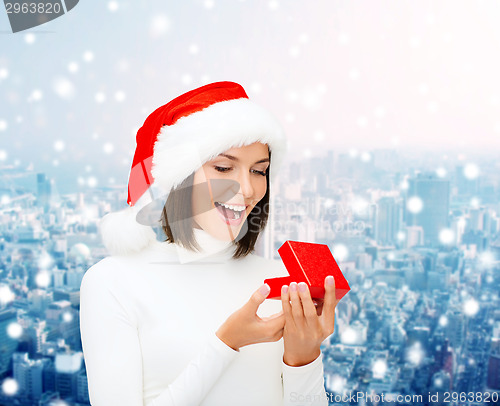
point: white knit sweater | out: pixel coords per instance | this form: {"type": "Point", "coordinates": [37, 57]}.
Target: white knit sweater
{"type": "Point", "coordinates": [148, 324]}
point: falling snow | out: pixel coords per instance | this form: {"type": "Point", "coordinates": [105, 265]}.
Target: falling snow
{"type": "Point", "coordinates": [64, 88]}
{"type": "Point", "coordinates": [415, 204]}
{"type": "Point", "coordinates": [159, 26]}
{"type": "Point", "coordinates": [42, 279]}
{"type": "Point", "coordinates": [471, 307]}
{"type": "Point", "coordinates": [14, 330]}
{"type": "Point", "coordinates": [471, 171]}
{"type": "Point", "coordinates": [415, 354]}
{"type": "Point", "coordinates": [340, 252]}
{"type": "Point", "coordinates": [446, 236]}
{"type": "Point", "coordinates": [379, 369]}
{"type": "Point", "coordinates": [10, 386]}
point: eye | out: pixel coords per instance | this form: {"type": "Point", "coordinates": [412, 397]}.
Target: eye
{"type": "Point", "coordinates": [263, 173]}
{"type": "Point", "coordinates": [221, 169]}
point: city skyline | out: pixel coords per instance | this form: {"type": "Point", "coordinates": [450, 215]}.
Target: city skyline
{"type": "Point", "coordinates": [402, 330]}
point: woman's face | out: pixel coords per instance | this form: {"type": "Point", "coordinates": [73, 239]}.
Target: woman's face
{"type": "Point", "coordinates": [237, 178]}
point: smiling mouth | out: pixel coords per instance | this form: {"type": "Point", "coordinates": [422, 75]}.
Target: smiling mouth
{"type": "Point", "coordinates": [231, 212]}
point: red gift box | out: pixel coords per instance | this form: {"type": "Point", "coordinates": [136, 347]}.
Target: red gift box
{"type": "Point", "coordinates": [310, 263]}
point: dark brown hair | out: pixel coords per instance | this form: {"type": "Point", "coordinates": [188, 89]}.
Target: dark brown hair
{"type": "Point", "coordinates": [179, 205]}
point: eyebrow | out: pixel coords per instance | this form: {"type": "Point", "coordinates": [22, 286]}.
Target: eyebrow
{"type": "Point", "coordinates": [233, 158]}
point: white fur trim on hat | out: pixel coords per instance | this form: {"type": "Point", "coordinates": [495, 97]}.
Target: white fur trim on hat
{"type": "Point", "coordinates": [121, 233]}
{"type": "Point", "coordinates": [185, 146]}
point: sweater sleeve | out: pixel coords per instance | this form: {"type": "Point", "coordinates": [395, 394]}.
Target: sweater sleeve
{"type": "Point", "coordinates": [112, 353]}
{"type": "Point", "coordinates": [304, 385]}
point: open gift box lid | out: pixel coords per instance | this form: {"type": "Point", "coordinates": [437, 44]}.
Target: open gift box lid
{"type": "Point", "coordinates": [310, 263]}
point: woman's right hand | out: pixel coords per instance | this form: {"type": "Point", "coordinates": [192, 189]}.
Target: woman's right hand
{"type": "Point", "coordinates": [245, 327]}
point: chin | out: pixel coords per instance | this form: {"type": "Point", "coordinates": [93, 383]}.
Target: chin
{"type": "Point", "coordinates": [225, 234]}
{"type": "Point", "coordinates": [219, 230]}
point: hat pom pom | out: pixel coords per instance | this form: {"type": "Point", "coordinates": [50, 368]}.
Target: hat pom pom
{"type": "Point", "coordinates": [121, 233]}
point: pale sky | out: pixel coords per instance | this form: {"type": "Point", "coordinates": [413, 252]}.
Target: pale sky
{"type": "Point", "coordinates": [337, 74]}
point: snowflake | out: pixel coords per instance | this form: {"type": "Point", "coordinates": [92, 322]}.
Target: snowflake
{"type": "Point", "coordinates": [42, 279]}
{"type": "Point", "coordinates": [340, 252]}
{"type": "Point", "coordinates": [471, 171]}
{"type": "Point", "coordinates": [471, 307]}
{"type": "Point", "coordinates": [29, 38]}
{"type": "Point", "coordinates": [67, 317]}
{"type": "Point", "coordinates": [113, 6]}
{"type": "Point", "coordinates": [6, 295]}
{"type": "Point", "coordinates": [193, 49]}
{"type": "Point", "coordinates": [35, 95]}
{"type": "Point", "coordinates": [160, 24]}
{"type": "Point", "coordinates": [73, 67]}
{"type": "Point", "coordinates": [92, 182]}
{"type": "Point", "coordinates": [120, 96]}
{"type": "Point", "coordinates": [88, 56]}
{"type": "Point", "coordinates": [4, 73]}
{"type": "Point", "coordinates": [415, 354]}
{"type": "Point", "coordinates": [441, 172]}
{"type": "Point", "coordinates": [45, 260]}
{"type": "Point", "coordinates": [415, 204]}
{"type": "Point", "coordinates": [59, 145]}
{"type": "Point", "coordinates": [64, 88]}
{"type": "Point", "coordinates": [108, 148]}
{"type": "Point", "coordinates": [10, 386]}
{"type": "Point", "coordinates": [337, 384]}
{"type": "Point", "coordinates": [100, 97]}
{"type": "Point", "coordinates": [446, 236]}
{"type": "Point", "coordinates": [349, 336]}
{"type": "Point", "coordinates": [379, 369]}
{"type": "Point", "coordinates": [475, 202]}
{"type": "Point", "coordinates": [14, 330]}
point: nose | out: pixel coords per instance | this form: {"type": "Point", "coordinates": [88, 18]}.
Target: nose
{"type": "Point", "coordinates": [246, 185]}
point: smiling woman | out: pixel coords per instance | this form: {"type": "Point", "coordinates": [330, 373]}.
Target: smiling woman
{"type": "Point", "coordinates": [185, 321]}
{"type": "Point", "coordinates": [223, 215]}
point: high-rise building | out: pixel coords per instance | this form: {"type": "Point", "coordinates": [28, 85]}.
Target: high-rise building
{"type": "Point", "coordinates": [465, 185]}
{"type": "Point", "coordinates": [43, 191]}
{"type": "Point", "coordinates": [7, 343]}
{"type": "Point", "coordinates": [414, 236]}
{"type": "Point", "coordinates": [433, 195]}
{"type": "Point", "coordinates": [493, 380]}
{"type": "Point", "coordinates": [28, 374]}
{"type": "Point", "coordinates": [388, 218]}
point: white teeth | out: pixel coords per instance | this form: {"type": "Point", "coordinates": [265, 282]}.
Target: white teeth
{"type": "Point", "coordinates": [234, 208]}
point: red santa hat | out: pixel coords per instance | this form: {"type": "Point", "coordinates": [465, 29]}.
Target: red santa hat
{"type": "Point", "coordinates": [176, 140]}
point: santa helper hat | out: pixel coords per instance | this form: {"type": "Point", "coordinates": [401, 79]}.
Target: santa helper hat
{"type": "Point", "coordinates": [176, 140]}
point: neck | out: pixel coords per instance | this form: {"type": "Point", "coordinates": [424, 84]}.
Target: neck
{"type": "Point", "coordinates": [210, 247]}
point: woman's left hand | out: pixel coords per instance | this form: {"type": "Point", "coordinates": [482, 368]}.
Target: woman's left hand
{"type": "Point", "coordinates": [306, 327]}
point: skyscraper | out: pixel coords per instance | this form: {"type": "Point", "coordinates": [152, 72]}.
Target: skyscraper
{"type": "Point", "coordinates": [43, 191]}
{"type": "Point", "coordinates": [434, 195]}
{"type": "Point", "coordinates": [388, 220]}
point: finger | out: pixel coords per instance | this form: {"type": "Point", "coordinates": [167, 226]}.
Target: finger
{"type": "Point", "coordinates": [273, 316]}
{"type": "Point", "coordinates": [329, 303]}
{"type": "Point", "coordinates": [276, 323]}
{"type": "Point", "coordinates": [297, 311]}
{"type": "Point", "coordinates": [258, 297]}
{"type": "Point", "coordinates": [307, 305]}
{"type": "Point", "coordinates": [287, 307]}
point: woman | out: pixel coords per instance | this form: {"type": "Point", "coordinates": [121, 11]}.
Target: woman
{"type": "Point", "coordinates": [185, 321]}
